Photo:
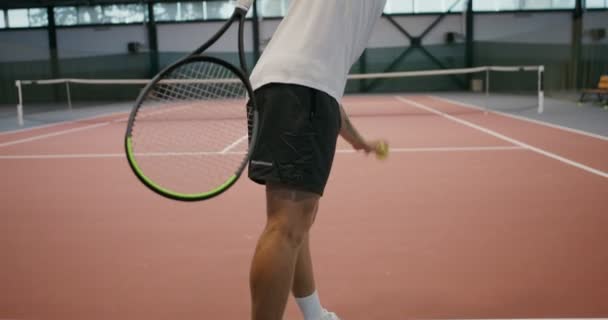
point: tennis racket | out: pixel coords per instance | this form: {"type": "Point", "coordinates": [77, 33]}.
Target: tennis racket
{"type": "Point", "coordinates": [187, 135]}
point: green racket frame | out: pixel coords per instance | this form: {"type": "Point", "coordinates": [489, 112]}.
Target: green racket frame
{"type": "Point", "coordinates": [239, 14]}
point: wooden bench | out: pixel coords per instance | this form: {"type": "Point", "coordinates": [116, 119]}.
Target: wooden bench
{"type": "Point", "coordinates": [601, 92]}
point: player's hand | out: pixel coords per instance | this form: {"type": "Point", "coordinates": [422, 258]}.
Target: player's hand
{"type": "Point", "coordinates": [378, 147]}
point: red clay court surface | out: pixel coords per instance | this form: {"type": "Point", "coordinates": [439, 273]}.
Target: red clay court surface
{"type": "Point", "coordinates": [472, 216]}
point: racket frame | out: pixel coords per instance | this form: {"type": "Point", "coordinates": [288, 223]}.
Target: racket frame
{"type": "Point", "coordinates": [197, 55]}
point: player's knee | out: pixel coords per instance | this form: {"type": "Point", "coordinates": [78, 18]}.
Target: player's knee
{"type": "Point", "coordinates": [290, 213]}
{"type": "Point", "coordinates": [293, 238]}
{"type": "Point", "coordinates": [290, 234]}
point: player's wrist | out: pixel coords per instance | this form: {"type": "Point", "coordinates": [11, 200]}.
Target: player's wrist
{"type": "Point", "coordinates": [361, 144]}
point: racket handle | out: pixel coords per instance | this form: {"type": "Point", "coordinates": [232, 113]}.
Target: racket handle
{"type": "Point", "coordinates": [244, 4]}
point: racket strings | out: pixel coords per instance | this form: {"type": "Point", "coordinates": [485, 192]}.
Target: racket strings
{"type": "Point", "coordinates": [208, 89]}
{"type": "Point", "coordinates": [189, 135]}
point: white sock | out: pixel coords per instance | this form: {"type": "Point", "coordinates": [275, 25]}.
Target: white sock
{"type": "Point", "coordinates": [310, 306]}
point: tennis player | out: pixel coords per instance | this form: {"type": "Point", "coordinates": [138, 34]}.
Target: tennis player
{"type": "Point", "coordinates": [298, 83]}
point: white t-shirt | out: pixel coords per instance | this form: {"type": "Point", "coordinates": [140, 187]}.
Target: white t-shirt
{"type": "Point", "coordinates": [317, 43]}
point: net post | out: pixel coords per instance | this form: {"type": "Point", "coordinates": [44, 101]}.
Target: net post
{"type": "Point", "coordinates": [19, 103]}
{"type": "Point", "coordinates": [67, 88]}
{"type": "Point", "coordinates": [541, 92]}
{"type": "Point", "coordinates": [487, 104]}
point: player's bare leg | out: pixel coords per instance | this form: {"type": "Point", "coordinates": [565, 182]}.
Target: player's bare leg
{"type": "Point", "coordinates": [303, 288]}
{"type": "Point", "coordinates": [289, 218]}
{"type": "Point", "coordinates": [303, 279]}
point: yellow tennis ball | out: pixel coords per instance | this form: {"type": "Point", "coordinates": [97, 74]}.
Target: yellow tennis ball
{"type": "Point", "coordinates": [382, 150]}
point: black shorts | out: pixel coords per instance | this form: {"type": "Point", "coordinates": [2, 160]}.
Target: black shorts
{"type": "Point", "coordinates": [296, 144]}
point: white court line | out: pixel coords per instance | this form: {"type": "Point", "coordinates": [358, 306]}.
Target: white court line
{"type": "Point", "coordinates": [234, 144]}
{"type": "Point", "coordinates": [58, 133]}
{"type": "Point", "coordinates": [52, 134]}
{"type": "Point", "coordinates": [525, 319]}
{"type": "Point", "coordinates": [63, 123]}
{"type": "Point", "coordinates": [551, 125]}
{"type": "Point", "coordinates": [93, 126]}
{"type": "Point", "coordinates": [467, 318]}
{"type": "Point", "coordinates": [175, 154]}
{"type": "Point", "coordinates": [442, 149]}
{"type": "Point", "coordinates": [505, 138]}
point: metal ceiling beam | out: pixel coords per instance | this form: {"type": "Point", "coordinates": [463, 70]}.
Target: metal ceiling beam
{"type": "Point", "coordinates": [469, 54]}
{"type": "Point", "coordinates": [53, 51]}
{"type": "Point", "coordinates": [576, 45]}
{"type": "Point", "coordinates": [469, 35]}
{"type": "Point", "coordinates": [20, 4]}
{"type": "Point", "coordinates": [416, 42]}
{"type": "Point", "coordinates": [152, 41]}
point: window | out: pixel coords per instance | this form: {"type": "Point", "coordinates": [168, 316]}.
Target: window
{"type": "Point", "coordinates": [123, 13]}
{"type": "Point", "coordinates": [513, 5]}
{"type": "Point", "coordinates": [199, 10]}
{"type": "Point", "coordinates": [535, 4]}
{"type": "Point", "coordinates": [179, 11]}
{"type": "Point", "coordinates": [211, 10]}
{"type": "Point", "coordinates": [38, 17]}
{"type": "Point", "coordinates": [17, 18]}
{"type": "Point", "coordinates": [395, 6]}
{"type": "Point", "coordinates": [25, 18]}
{"type": "Point", "coordinates": [564, 4]}
{"type": "Point", "coordinates": [423, 6]}
{"type": "Point", "coordinates": [218, 10]}
{"type": "Point", "coordinates": [438, 6]}
{"type": "Point", "coordinates": [165, 11]}
{"type": "Point", "coordinates": [595, 4]}
{"type": "Point", "coordinates": [90, 15]}
{"type": "Point", "coordinates": [485, 6]}
{"type": "Point", "coordinates": [116, 13]}
{"type": "Point", "coordinates": [547, 4]}
{"type": "Point", "coordinates": [66, 16]}
{"type": "Point", "coordinates": [191, 10]}
{"type": "Point", "coordinates": [273, 8]}
{"type": "Point", "coordinates": [506, 5]}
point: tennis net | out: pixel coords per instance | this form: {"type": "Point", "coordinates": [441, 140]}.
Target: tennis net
{"type": "Point", "coordinates": [491, 87]}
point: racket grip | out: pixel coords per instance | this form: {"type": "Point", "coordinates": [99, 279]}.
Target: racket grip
{"type": "Point", "coordinates": [244, 4]}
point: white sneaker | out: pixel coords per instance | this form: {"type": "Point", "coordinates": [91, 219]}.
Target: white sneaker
{"type": "Point", "coordinates": [326, 315]}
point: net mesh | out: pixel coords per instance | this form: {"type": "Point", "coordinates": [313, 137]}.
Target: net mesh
{"type": "Point", "coordinates": [190, 133]}
{"type": "Point", "coordinates": [494, 87]}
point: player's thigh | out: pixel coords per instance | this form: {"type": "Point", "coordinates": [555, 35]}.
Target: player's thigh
{"type": "Point", "coordinates": [292, 207]}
